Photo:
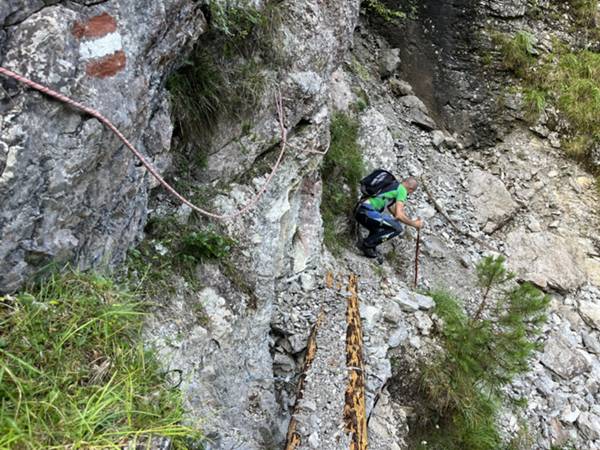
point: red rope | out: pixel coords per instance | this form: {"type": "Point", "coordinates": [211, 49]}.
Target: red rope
{"type": "Point", "coordinates": [146, 164]}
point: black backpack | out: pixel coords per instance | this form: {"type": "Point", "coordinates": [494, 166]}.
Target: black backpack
{"type": "Point", "coordinates": [377, 182]}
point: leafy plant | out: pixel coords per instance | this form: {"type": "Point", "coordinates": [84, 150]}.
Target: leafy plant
{"type": "Point", "coordinates": [74, 373]}
{"type": "Point", "coordinates": [341, 171]}
{"type": "Point", "coordinates": [463, 386]}
{"type": "Point", "coordinates": [171, 248]}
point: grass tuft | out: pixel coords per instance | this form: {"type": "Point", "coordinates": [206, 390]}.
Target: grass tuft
{"type": "Point", "coordinates": [518, 53]}
{"type": "Point", "coordinates": [74, 373]}
{"type": "Point", "coordinates": [341, 171]}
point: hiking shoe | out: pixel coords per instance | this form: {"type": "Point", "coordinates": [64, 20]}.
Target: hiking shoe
{"type": "Point", "coordinates": [369, 252]}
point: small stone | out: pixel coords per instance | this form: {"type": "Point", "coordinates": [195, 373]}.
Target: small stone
{"type": "Point", "coordinates": [590, 313]}
{"type": "Point", "coordinates": [591, 342]}
{"type": "Point", "coordinates": [424, 323]}
{"type": "Point", "coordinates": [389, 62]}
{"type": "Point", "coordinates": [183, 214]}
{"type": "Point", "coordinates": [314, 441]}
{"type": "Point", "coordinates": [534, 225]}
{"type": "Point", "coordinates": [400, 87]}
{"type": "Point", "coordinates": [554, 139]}
{"type": "Point", "coordinates": [570, 414]}
{"type": "Point", "coordinates": [397, 337]}
{"type": "Point", "coordinates": [392, 312]}
{"type": "Point", "coordinates": [370, 316]}
{"type": "Point", "coordinates": [415, 342]}
{"type": "Point", "coordinates": [437, 138]}
{"type": "Point", "coordinates": [589, 424]}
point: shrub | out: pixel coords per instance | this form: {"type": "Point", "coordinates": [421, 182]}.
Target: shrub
{"type": "Point", "coordinates": [482, 353]}
{"type": "Point", "coordinates": [202, 245]}
{"type": "Point", "coordinates": [74, 373]}
{"type": "Point", "coordinates": [341, 171]}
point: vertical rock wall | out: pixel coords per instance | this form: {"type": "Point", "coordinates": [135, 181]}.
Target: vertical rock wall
{"type": "Point", "coordinates": [70, 190]}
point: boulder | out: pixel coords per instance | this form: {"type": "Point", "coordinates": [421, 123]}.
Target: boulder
{"type": "Point", "coordinates": [560, 357]}
{"type": "Point", "coordinates": [545, 259]}
{"type": "Point", "coordinates": [418, 112]}
{"type": "Point", "coordinates": [493, 203]}
{"type": "Point", "coordinates": [411, 301]}
{"type": "Point", "coordinates": [400, 87]}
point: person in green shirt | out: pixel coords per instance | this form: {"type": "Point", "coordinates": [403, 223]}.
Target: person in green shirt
{"type": "Point", "coordinates": [384, 216]}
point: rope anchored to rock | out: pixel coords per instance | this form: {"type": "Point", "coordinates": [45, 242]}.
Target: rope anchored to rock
{"type": "Point", "coordinates": [92, 112]}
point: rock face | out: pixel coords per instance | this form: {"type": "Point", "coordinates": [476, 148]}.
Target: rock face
{"type": "Point", "coordinates": [71, 191]}
{"type": "Point", "coordinates": [436, 49]}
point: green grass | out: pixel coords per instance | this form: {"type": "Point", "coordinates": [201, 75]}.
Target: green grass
{"type": "Point", "coordinates": [183, 248]}
{"type": "Point", "coordinates": [74, 374]}
{"type": "Point", "coordinates": [342, 170]}
{"type": "Point", "coordinates": [535, 103]}
{"type": "Point", "coordinates": [517, 53]}
{"type": "Point", "coordinates": [566, 79]}
{"type": "Point", "coordinates": [224, 77]}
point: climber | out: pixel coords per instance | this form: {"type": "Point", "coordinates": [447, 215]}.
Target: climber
{"type": "Point", "coordinates": [371, 212]}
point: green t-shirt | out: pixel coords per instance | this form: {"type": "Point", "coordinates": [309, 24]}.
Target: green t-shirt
{"type": "Point", "coordinates": [386, 199]}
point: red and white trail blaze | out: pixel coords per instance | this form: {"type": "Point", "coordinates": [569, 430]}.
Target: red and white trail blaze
{"type": "Point", "coordinates": [100, 46]}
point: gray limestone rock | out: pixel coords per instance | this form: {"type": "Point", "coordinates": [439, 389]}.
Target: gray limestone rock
{"type": "Point", "coordinates": [589, 424]}
{"type": "Point", "coordinates": [389, 61]}
{"type": "Point", "coordinates": [375, 141]}
{"type": "Point", "coordinates": [590, 312]}
{"type": "Point", "coordinates": [411, 301]}
{"type": "Point", "coordinates": [493, 203]}
{"type": "Point", "coordinates": [400, 87]}
{"type": "Point", "coordinates": [562, 359]}
{"type": "Point", "coordinates": [546, 259]}
{"type": "Point", "coordinates": [339, 91]}
{"type": "Point", "coordinates": [72, 192]}
{"type": "Point", "coordinates": [591, 342]}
